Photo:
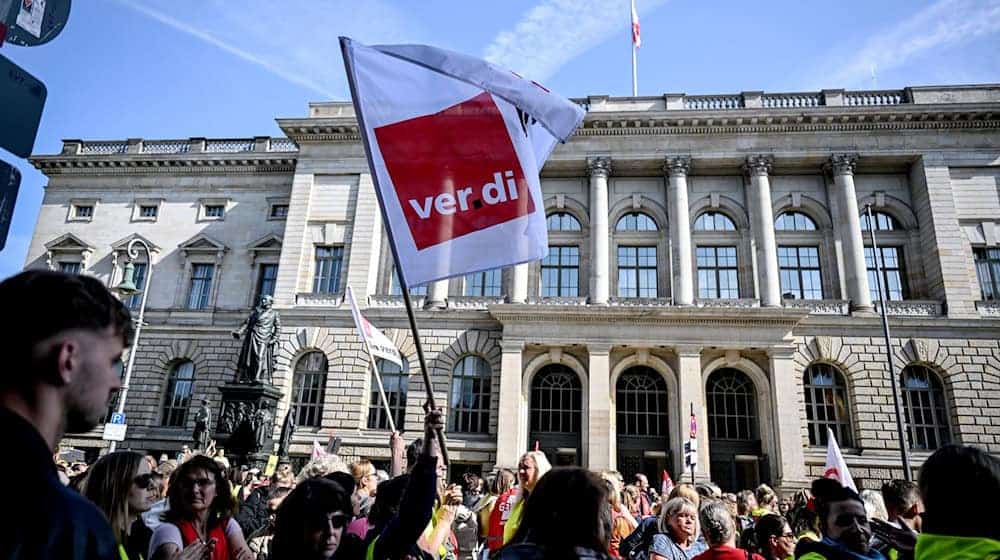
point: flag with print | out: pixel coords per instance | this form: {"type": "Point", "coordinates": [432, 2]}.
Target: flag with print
{"type": "Point", "coordinates": [455, 145]}
{"type": "Point", "coordinates": [379, 344]}
{"type": "Point", "coordinates": [666, 484]}
{"type": "Point", "coordinates": [317, 451]}
{"type": "Point", "coordinates": [636, 39]}
{"type": "Point", "coordinates": [836, 468]}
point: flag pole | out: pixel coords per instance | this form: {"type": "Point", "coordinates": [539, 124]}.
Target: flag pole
{"type": "Point", "coordinates": [429, 404]}
{"type": "Point", "coordinates": [635, 72]}
{"type": "Point", "coordinates": [904, 448]}
{"type": "Point", "coordinates": [695, 450]}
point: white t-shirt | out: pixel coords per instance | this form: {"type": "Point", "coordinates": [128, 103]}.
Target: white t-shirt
{"type": "Point", "coordinates": [170, 533]}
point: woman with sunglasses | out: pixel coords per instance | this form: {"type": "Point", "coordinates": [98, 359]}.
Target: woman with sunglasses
{"type": "Point", "coordinates": [121, 486]}
{"type": "Point", "coordinates": [774, 537]}
{"type": "Point", "coordinates": [310, 522]}
{"type": "Point", "coordinates": [199, 523]}
{"type": "Point", "coordinates": [846, 530]}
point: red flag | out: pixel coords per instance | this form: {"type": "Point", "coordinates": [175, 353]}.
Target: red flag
{"type": "Point", "coordinates": [694, 426]}
{"type": "Point", "coordinates": [667, 484]}
{"type": "Point", "coordinates": [636, 39]}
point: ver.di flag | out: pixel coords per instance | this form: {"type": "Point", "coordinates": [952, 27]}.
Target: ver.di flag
{"type": "Point", "coordinates": [455, 145]}
{"type": "Point", "coordinates": [379, 344]}
{"type": "Point", "coordinates": [836, 468]}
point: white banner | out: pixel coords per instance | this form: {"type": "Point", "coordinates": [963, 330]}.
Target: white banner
{"type": "Point", "coordinates": [836, 468]}
{"type": "Point", "coordinates": [455, 145]}
{"type": "Point", "coordinates": [378, 343]}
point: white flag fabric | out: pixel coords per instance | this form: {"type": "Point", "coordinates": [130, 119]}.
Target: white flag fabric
{"type": "Point", "coordinates": [636, 39]}
{"type": "Point", "coordinates": [317, 452]}
{"type": "Point", "coordinates": [378, 343]}
{"type": "Point", "coordinates": [836, 468]}
{"type": "Point", "coordinates": [455, 145]}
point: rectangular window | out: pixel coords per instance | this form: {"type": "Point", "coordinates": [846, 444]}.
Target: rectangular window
{"type": "Point", "coordinates": [266, 279]}
{"type": "Point", "coordinates": [201, 286]}
{"type": "Point", "coordinates": [135, 300]}
{"type": "Point", "coordinates": [148, 211]}
{"type": "Point", "coordinates": [83, 212]}
{"type": "Point", "coordinates": [893, 273]}
{"type": "Point", "coordinates": [799, 272]}
{"type": "Point", "coordinates": [70, 267]}
{"type": "Point", "coordinates": [637, 272]}
{"type": "Point", "coordinates": [214, 210]}
{"type": "Point", "coordinates": [717, 273]}
{"type": "Point", "coordinates": [988, 271]}
{"type": "Point", "coordinates": [485, 283]}
{"type": "Point", "coordinates": [394, 286]}
{"type": "Point", "coordinates": [561, 272]}
{"type": "Point", "coordinates": [326, 279]}
{"type": "Point", "coordinates": [279, 211]}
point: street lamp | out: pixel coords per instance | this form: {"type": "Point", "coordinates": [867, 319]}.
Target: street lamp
{"type": "Point", "coordinates": [127, 287]}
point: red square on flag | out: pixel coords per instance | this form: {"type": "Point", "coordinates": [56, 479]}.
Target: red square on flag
{"type": "Point", "coordinates": [455, 171]}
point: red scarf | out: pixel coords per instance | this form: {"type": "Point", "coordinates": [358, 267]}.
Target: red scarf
{"type": "Point", "coordinates": [217, 532]}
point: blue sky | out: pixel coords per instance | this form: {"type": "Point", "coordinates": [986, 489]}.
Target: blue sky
{"type": "Point", "coordinates": [224, 68]}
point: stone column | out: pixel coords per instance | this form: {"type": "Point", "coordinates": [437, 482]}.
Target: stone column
{"type": "Point", "coordinates": [437, 295]}
{"type": "Point", "coordinates": [599, 170]}
{"type": "Point", "coordinates": [692, 391]}
{"type": "Point", "coordinates": [512, 433]}
{"type": "Point", "coordinates": [599, 408]}
{"type": "Point", "coordinates": [676, 169]}
{"type": "Point", "coordinates": [366, 241]}
{"type": "Point", "coordinates": [841, 166]}
{"type": "Point", "coordinates": [785, 390]}
{"type": "Point", "coordinates": [757, 168]}
{"type": "Point", "coordinates": [519, 284]}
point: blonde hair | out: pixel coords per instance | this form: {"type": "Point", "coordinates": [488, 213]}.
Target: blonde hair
{"type": "Point", "coordinates": [686, 491]}
{"type": "Point", "coordinates": [108, 485]}
{"type": "Point", "coordinates": [672, 508]}
{"type": "Point", "coordinates": [360, 469]}
{"type": "Point", "coordinates": [322, 467]}
{"type": "Point", "coordinates": [542, 464]}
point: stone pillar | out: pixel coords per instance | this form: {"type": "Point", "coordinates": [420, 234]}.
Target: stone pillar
{"type": "Point", "coordinates": [757, 168]}
{"type": "Point", "coordinates": [519, 284]}
{"type": "Point", "coordinates": [599, 170]}
{"type": "Point", "coordinates": [841, 166]}
{"type": "Point", "coordinates": [599, 408]}
{"type": "Point", "coordinates": [296, 244]}
{"type": "Point", "coordinates": [692, 391]}
{"type": "Point", "coordinates": [437, 295]}
{"type": "Point", "coordinates": [366, 242]}
{"type": "Point", "coordinates": [512, 433]}
{"type": "Point", "coordinates": [790, 464]}
{"type": "Point", "coordinates": [676, 169]}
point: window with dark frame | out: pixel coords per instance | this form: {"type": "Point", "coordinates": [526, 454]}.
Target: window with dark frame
{"type": "Point", "coordinates": [562, 221]}
{"type": "Point", "coordinates": [561, 272]}
{"type": "Point", "coordinates": [471, 392]}
{"type": "Point", "coordinates": [893, 273]}
{"type": "Point", "coordinates": [83, 211]}
{"type": "Point", "coordinates": [482, 284]}
{"type": "Point", "coordinates": [718, 276]}
{"type": "Point", "coordinates": [714, 221]}
{"type": "Point", "coordinates": [556, 401]}
{"type": "Point", "coordinates": [636, 221]}
{"type": "Point", "coordinates": [279, 211]}
{"type": "Point", "coordinates": [988, 272]}
{"type": "Point", "coordinates": [395, 381]}
{"type": "Point", "coordinates": [732, 406]}
{"type": "Point", "coordinates": [799, 272]}
{"type": "Point", "coordinates": [641, 404]}
{"type": "Point", "coordinates": [637, 272]}
{"type": "Point", "coordinates": [925, 408]}
{"type": "Point", "coordinates": [883, 222]}
{"type": "Point", "coordinates": [309, 389]}
{"type": "Point", "coordinates": [201, 285]}
{"type": "Point", "coordinates": [148, 211]}
{"type": "Point", "coordinates": [826, 405]}
{"type": "Point", "coordinates": [180, 385]}
{"type": "Point", "coordinates": [70, 267]}
{"type": "Point", "coordinates": [794, 221]}
{"type": "Point", "coordinates": [266, 279]}
{"type": "Point", "coordinates": [133, 301]}
{"type": "Point", "coordinates": [326, 279]}
{"type": "Point", "coordinates": [214, 210]}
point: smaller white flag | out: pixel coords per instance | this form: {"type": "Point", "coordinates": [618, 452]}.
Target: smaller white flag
{"type": "Point", "coordinates": [378, 343]}
{"type": "Point", "coordinates": [836, 468]}
{"type": "Point", "coordinates": [318, 452]}
{"type": "Point", "coordinates": [636, 39]}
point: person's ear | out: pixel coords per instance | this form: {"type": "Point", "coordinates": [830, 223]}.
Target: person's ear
{"type": "Point", "coordinates": [66, 355]}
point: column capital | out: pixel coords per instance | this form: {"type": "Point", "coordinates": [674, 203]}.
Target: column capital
{"type": "Point", "coordinates": [688, 350]}
{"type": "Point", "coordinates": [676, 166]}
{"type": "Point", "coordinates": [511, 346]}
{"type": "Point", "coordinates": [599, 166]}
{"type": "Point", "coordinates": [841, 164]}
{"type": "Point", "coordinates": [781, 352]}
{"type": "Point", "coordinates": [598, 349]}
{"type": "Point", "coordinates": [758, 165]}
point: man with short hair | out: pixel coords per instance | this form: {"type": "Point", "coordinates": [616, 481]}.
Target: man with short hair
{"type": "Point", "coordinates": [903, 504]}
{"type": "Point", "coordinates": [63, 337]}
{"type": "Point", "coordinates": [645, 499]}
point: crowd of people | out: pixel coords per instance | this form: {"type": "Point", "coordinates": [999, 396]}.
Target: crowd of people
{"type": "Point", "coordinates": [65, 359]}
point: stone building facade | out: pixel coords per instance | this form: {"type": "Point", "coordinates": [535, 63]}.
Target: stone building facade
{"type": "Point", "coordinates": [707, 254]}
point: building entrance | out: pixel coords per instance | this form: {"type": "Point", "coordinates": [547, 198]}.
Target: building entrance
{"type": "Point", "coordinates": [556, 414]}
{"type": "Point", "coordinates": [736, 458]}
{"type": "Point", "coordinates": [641, 424]}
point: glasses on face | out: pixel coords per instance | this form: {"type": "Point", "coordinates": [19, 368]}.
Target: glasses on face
{"type": "Point", "coordinates": [144, 481]}
{"type": "Point", "coordinates": [335, 520]}
{"type": "Point", "coordinates": [848, 519]}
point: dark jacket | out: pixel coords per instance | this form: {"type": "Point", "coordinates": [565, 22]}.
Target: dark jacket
{"type": "Point", "coordinates": [399, 536]}
{"type": "Point", "coordinates": [253, 511]}
{"type": "Point", "coordinates": [43, 518]}
{"type": "Point", "coordinates": [528, 551]}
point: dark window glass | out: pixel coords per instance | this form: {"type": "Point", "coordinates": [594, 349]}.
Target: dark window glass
{"type": "Point", "coordinates": [395, 382]}
{"type": "Point", "coordinates": [148, 211]}
{"type": "Point", "coordinates": [637, 272]}
{"type": "Point", "coordinates": [309, 388]}
{"type": "Point", "coordinates": [717, 273]}
{"type": "Point", "coordinates": [799, 272]}
{"type": "Point", "coordinates": [826, 405]}
{"type": "Point", "coordinates": [563, 221]}
{"type": "Point", "coordinates": [714, 221]}
{"type": "Point", "coordinates": [135, 300]}
{"type": "Point", "coordinates": [266, 279]}
{"type": "Point", "coordinates": [635, 221]}
{"type": "Point", "coordinates": [893, 273]}
{"type": "Point", "coordinates": [485, 283]}
{"type": "Point", "coordinates": [556, 401]}
{"type": "Point", "coordinates": [84, 211]}
{"type": "Point", "coordinates": [732, 406]}
{"type": "Point", "coordinates": [883, 222]}
{"type": "Point", "coordinates": [214, 210]}
{"type": "Point", "coordinates": [641, 404]}
{"type": "Point", "coordinates": [326, 279]}
{"type": "Point", "coordinates": [70, 267]}
{"type": "Point", "coordinates": [470, 396]}
{"type": "Point", "coordinates": [279, 210]}
{"type": "Point", "coordinates": [201, 285]}
{"type": "Point", "coordinates": [988, 272]}
{"type": "Point", "coordinates": [794, 221]}
{"type": "Point", "coordinates": [924, 408]}
{"type": "Point", "coordinates": [180, 385]}
{"type": "Point", "coordinates": [561, 272]}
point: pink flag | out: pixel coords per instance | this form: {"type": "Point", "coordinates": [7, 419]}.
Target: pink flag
{"type": "Point", "coordinates": [318, 452]}
{"type": "Point", "coordinates": [667, 484]}
{"type": "Point", "coordinates": [694, 426]}
{"type": "Point", "coordinates": [836, 468]}
{"type": "Point", "coordinates": [636, 39]}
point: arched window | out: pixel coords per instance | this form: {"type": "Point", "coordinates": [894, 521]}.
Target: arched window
{"type": "Point", "coordinates": [714, 221]}
{"type": "Point", "coordinates": [563, 221]}
{"type": "Point", "coordinates": [826, 405]}
{"type": "Point", "coordinates": [883, 222]}
{"type": "Point", "coordinates": [732, 406]}
{"type": "Point", "coordinates": [470, 396]}
{"type": "Point", "coordinates": [636, 221]}
{"type": "Point", "coordinates": [180, 384]}
{"type": "Point", "coordinates": [641, 403]}
{"type": "Point", "coordinates": [395, 381]}
{"type": "Point", "coordinates": [924, 408]}
{"type": "Point", "coordinates": [308, 389]}
{"type": "Point", "coordinates": [556, 401]}
{"type": "Point", "coordinates": [794, 221]}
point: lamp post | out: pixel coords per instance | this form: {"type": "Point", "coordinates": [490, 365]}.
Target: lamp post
{"type": "Point", "coordinates": [127, 287]}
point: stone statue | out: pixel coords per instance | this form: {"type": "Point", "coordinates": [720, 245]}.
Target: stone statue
{"type": "Point", "coordinates": [287, 431]}
{"type": "Point", "coordinates": [256, 361]}
{"type": "Point", "coordinates": [228, 421]}
{"type": "Point", "coordinates": [202, 426]}
{"type": "Point", "coordinates": [261, 424]}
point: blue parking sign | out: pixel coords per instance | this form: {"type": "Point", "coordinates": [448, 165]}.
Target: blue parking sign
{"type": "Point", "coordinates": [117, 418]}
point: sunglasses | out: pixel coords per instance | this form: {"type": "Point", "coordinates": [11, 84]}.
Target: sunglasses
{"type": "Point", "coordinates": [336, 520]}
{"type": "Point", "coordinates": [144, 481]}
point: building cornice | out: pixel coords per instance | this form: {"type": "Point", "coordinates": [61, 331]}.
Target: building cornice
{"type": "Point", "coordinates": [749, 318]}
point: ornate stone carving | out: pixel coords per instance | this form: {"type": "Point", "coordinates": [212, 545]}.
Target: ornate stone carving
{"type": "Point", "coordinates": [988, 308]}
{"type": "Point", "coordinates": [920, 348]}
{"type": "Point", "coordinates": [599, 166]}
{"type": "Point", "coordinates": [676, 166]}
{"type": "Point", "coordinates": [820, 306]}
{"type": "Point", "coordinates": [822, 346]}
{"type": "Point", "coordinates": [842, 164]}
{"type": "Point", "coordinates": [758, 164]}
{"type": "Point", "coordinates": [913, 308]}
{"type": "Point", "coordinates": [743, 303]}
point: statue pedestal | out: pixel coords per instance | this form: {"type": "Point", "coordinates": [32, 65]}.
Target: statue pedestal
{"type": "Point", "coordinates": [245, 426]}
